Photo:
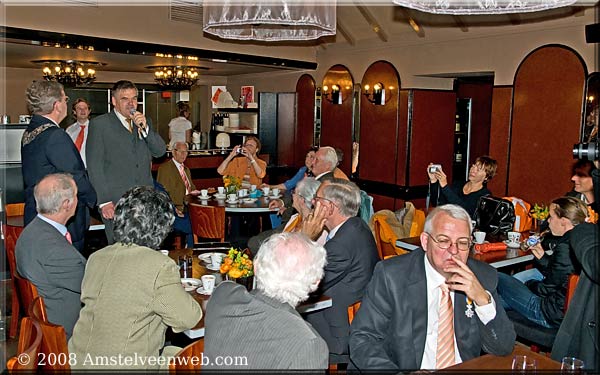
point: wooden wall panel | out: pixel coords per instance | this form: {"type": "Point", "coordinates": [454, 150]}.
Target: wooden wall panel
{"type": "Point", "coordinates": [546, 118]}
{"type": "Point", "coordinates": [286, 128]}
{"type": "Point", "coordinates": [382, 202]}
{"type": "Point", "coordinates": [305, 121]}
{"type": "Point", "coordinates": [379, 125]}
{"type": "Point", "coordinates": [336, 119]}
{"type": "Point", "coordinates": [402, 140]}
{"type": "Point", "coordinates": [432, 133]}
{"type": "Point", "coordinates": [499, 137]}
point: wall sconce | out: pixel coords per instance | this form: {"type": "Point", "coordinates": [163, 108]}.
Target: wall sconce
{"type": "Point", "coordinates": [377, 96]}
{"type": "Point", "coordinates": [336, 94]}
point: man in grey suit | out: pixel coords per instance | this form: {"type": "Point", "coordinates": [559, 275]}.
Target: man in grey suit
{"type": "Point", "coordinates": [351, 258]}
{"type": "Point", "coordinates": [44, 255]}
{"type": "Point", "coordinates": [432, 308]}
{"type": "Point", "coordinates": [262, 328]}
{"type": "Point", "coordinates": [119, 151]}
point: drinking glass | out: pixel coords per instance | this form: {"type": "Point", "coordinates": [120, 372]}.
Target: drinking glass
{"type": "Point", "coordinates": [523, 363]}
{"type": "Point", "coordinates": [571, 365]}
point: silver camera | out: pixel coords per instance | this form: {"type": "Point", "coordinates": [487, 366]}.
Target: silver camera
{"type": "Point", "coordinates": [434, 168]}
{"type": "Point", "coordinates": [239, 150]}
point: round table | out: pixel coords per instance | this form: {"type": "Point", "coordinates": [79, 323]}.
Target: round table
{"type": "Point", "coordinates": [258, 205]}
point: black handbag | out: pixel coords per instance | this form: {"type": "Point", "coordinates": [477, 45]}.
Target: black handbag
{"type": "Point", "coordinates": [494, 215]}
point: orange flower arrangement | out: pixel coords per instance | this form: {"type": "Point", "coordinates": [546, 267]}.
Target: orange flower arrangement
{"type": "Point", "coordinates": [232, 184]}
{"type": "Point", "coordinates": [236, 264]}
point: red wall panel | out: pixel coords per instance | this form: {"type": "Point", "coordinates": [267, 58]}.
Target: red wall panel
{"type": "Point", "coordinates": [481, 106]}
{"type": "Point", "coordinates": [546, 119]}
{"type": "Point", "coordinates": [305, 121]}
{"type": "Point", "coordinates": [499, 137]}
{"type": "Point", "coordinates": [402, 141]}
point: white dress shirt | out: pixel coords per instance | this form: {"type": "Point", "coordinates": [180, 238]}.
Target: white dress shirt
{"type": "Point", "coordinates": [73, 132]}
{"type": "Point", "coordinates": [434, 279]}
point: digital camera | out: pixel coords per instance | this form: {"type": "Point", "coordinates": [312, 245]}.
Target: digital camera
{"type": "Point", "coordinates": [434, 168]}
{"type": "Point", "coordinates": [239, 150]}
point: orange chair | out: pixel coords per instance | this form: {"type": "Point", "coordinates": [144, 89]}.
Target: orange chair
{"type": "Point", "coordinates": [385, 237]}
{"type": "Point", "coordinates": [352, 310]}
{"type": "Point", "coordinates": [54, 338]}
{"type": "Point", "coordinates": [30, 340]}
{"type": "Point", "coordinates": [207, 221]}
{"type": "Point", "coordinates": [194, 350]}
{"type": "Point", "coordinates": [418, 223]}
{"type": "Point", "coordinates": [27, 292]}
{"type": "Point", "coordinates": [12, 233]}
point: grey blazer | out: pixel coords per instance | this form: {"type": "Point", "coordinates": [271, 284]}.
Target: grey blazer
{"type": "Point", "coordinates": [270, 334]}
{"type": "Point", "coordinates": [55, 267]}
{"type": "Point", "coordinates": [118, 160]}
{"type": "Point", "coordinates": [389, 329]}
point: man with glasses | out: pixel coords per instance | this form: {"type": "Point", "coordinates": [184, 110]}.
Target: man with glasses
{"type": "Point", "coordinates": [119, 152]}
{"type": "Point", "coordinates": [47, 149]}
{"type": "Point", "coordinates": [434, 307]}
{"type": "Point", "coordinates": [351, 257]}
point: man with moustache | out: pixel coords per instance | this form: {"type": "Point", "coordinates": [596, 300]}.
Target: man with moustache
{"type": "Point", "coordinates": [120, 148]}
{"type": "Point", "coordinates": [432, 308]}
{"type": "Point", "coordinates": [47, 149]}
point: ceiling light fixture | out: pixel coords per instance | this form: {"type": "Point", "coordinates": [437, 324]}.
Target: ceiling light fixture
{"type": "Point", "coordinates": [175, 77]}
{"type": "Point", "coordinates": [473, 7]}
{"type": "Point", "coordinates": [69, 72]}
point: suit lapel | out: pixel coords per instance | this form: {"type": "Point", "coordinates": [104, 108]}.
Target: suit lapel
{"type": "Point", "coordinates": [417, 290]}
{"type": "Point", "coordinates": [462, 324]}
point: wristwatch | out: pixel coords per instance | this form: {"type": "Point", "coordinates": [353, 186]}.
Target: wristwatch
{"type": "Point", "coordinates": [489, 299]}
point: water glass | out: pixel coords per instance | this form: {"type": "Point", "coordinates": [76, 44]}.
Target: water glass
{"type": "Point", "coordinates": [523, 363]}
{"type": "Point", "coordinates": [571, 365]}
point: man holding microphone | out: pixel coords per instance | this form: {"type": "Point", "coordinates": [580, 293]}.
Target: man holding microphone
{"type": "Point", "coordinates": [120, 148]}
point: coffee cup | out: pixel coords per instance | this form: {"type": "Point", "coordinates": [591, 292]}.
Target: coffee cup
{"type": "Point", "coordinates": [275, 192]}
{"type": "Point", "coordinates": [514, 237]}
{"type": "Point", "coordinates": [204, 193]}
{"type": "Point", "coordinates": [165, 252]}
{"type": "Point", "coordinates": [208, 283]}
{"type": "Point", "coordinates": [253, 188]}
{"type": "Point", "coordinates": [221, 190]}
{"type": "Point", "coordinates": [215, 259]}
{"type": "Point", "coordinates": [479, 237]}
{"type": "Point", "coordinates": [266, 190]}
{"type": "Point", "coordinates": [231, 197]}
{"type": "Point", "coordinates": [242, 193]}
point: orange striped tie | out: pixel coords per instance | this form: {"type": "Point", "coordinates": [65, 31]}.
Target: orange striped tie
{"type": "Point", "coordinates": [445, 355]}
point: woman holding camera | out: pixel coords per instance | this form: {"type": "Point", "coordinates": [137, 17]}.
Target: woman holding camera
{"type": "Point", "coordinates": [465, 194]}
{"type": "Point", "coordinates": [243, 163]}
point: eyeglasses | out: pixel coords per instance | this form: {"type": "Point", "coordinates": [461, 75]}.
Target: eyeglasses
{"type": "Point", "coordinates": [444, 243]}
{"type": "Point", "coordinates": [315, 199]}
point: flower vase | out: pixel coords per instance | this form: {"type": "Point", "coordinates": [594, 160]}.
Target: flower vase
{"type": "Point", "coordinates": [247, 282]}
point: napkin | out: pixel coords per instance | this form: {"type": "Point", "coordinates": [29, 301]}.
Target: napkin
{"type": "Point", "coordinates": [485, 247]}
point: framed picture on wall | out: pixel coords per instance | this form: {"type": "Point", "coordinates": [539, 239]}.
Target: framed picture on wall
{"type": "Point", "coordinates": [248, 94]}
{"type": "Point", "coordinates": [216, 91]}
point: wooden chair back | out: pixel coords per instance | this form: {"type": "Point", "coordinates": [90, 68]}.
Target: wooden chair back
{"type": "Point", "coordinates": [54, 338]}
{"type": "Point", "coordinates": [30, 340]}
{"type": "Point", "coordinates": [571, 286]}
{"type": "Point", "coordinates": [27, 292]}
{"type": "Point", "coordinates": [11, 234]}
{"type": "Point", "coordinates": [194, 350]}
{"type": "Point", "coordinates": [352, 310]}
{"type": "Point", "coordinates": [207, 221]}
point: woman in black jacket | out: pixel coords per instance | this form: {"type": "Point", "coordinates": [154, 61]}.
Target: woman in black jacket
{"type": "Point", "coordinates": [542, 301]}
{"type": "Point", "coordinates": [464, 194]}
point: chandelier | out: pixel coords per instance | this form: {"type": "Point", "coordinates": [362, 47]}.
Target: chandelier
{"type": "Point", "coordinates": [175, 77]}
{"type": "Point", "coordinates": [69, 72]}
{"type": "Point", "coordinates": [474, 7]}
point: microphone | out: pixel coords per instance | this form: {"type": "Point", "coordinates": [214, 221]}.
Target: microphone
{"type": "Point", "coordinates": [141, 132]}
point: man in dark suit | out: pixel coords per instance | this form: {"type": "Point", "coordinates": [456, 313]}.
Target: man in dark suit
{"type": "Point", "coordinates": [411, 296]}
{"type": "Point", "coordinates": [119, 151]}
{"type": "Point", "coordinates": [171, 176]}
{"type": "Point", "coordinates": [46, 149]}
{"type": "Point", "coordinates": [44, 255]}
{"type": "Point", "coordinates": [263, 326]}
{"type": "Point", "coordinates": [351, 257]}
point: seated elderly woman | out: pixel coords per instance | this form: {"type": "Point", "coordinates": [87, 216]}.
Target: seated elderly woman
{"type": "Point", "coordinates": [304, 171]}
{"type": "Point", "coordinates": [131, 292]}
{"type": "Point", "coordinates": [465, 194]}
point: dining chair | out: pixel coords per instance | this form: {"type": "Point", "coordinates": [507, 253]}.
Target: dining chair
{"type": "Point", "coordinates": [54, 338]}
{"type": "Point", "coordinates": [207, 221]}
{"type": "Point", "coordinates": [352, 310]}
{"type": "Point", "coordinates": [27, 292]}
{"type": "Point", "coordinates": [540, 338]}
{"type": "Point", "coordinates": [385, 236]}
{"type": "Point", "coordinates": [30, 340]}
{"type": "Point", "coordinates": [12, 233]}
{"type": "Point", "coordinates": [193, 350]}
{"type": "Point", "coordinates": [15, 209]}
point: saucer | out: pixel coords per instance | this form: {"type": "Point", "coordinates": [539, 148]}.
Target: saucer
{"type": "Point", "coordinates": [249, 200]}
{"type": "Point", "coordinates": [513, 245]}
{"type": "Point", "coordinates": [206, 257]}
{"type": "Point", "coordinates": [190, 284]}
{"type": "Point", "coordinates": [203, 292]}
{"type": "Point", "coordinates": [203, 197]}
{"type": "Point", "coordinates": [275, 196]}
{"type": "Point", "coordinates": [220, 196]}
{"type": "Point", "coordinates": [232, 202]}
{"type": "Point", "coordinates": [210, 267]}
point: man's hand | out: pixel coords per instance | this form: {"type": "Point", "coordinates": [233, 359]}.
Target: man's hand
{"type": "Point", "coordinates": [313, 225]}
{"type": "Point", "coordinates": [108, 211]}
{"type": "Point", "coordinates": [139, 120]}
{"type": "Point", "coordinates": [464, 279]}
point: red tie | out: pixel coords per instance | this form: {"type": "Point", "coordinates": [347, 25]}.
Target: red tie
{"type": "Point", "coordinates": [445, 340]}
{"type": "Point", "coordinates": [80, 136]}
{"type": "Point", "coordinates": [184, 178]}
{"type": "Point", "coordinates": [68, 237]}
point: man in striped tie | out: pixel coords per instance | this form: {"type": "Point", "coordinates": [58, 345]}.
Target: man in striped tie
{"type": "Point", "coordinates": [44, 254]}
{"type": "Point", "coordinates": [431, 308]}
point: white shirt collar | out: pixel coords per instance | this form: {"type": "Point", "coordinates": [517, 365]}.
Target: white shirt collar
{"type": "Point", "coordinates": [178, 165]}
{"type": "Point", "coordinates": [123, 120]}
{"type": "Point", "coordinates": [335, 229]}
{"type": "Point", "coordinates": [434, 278]}
{"type": "Point", "coordinates": [48, 118]}
{"type": "Point", "coordinates": [59, 227]}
